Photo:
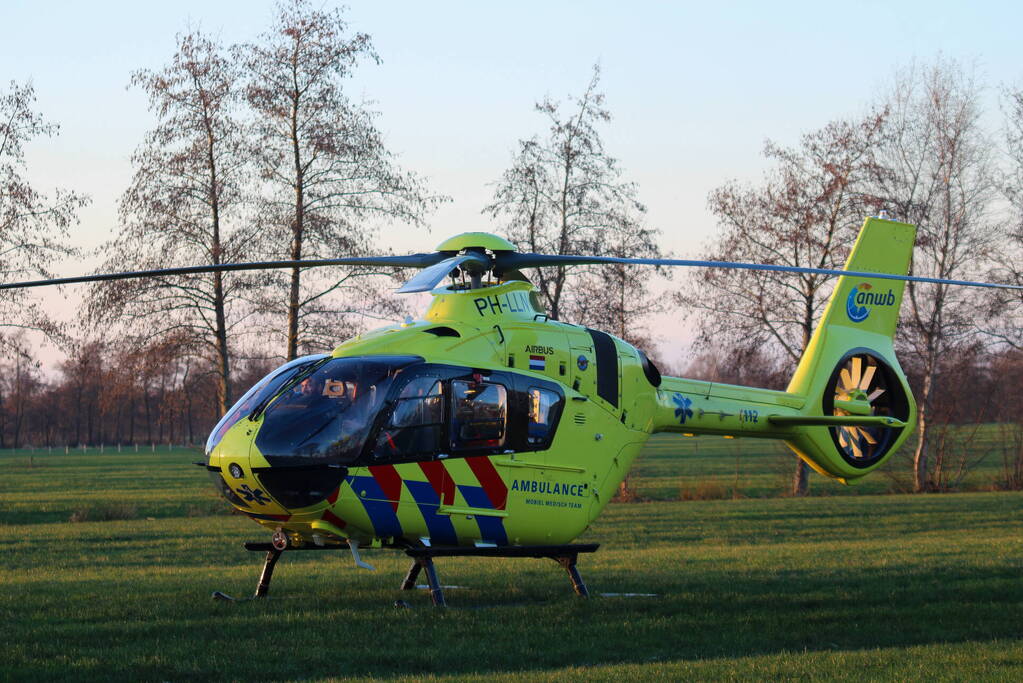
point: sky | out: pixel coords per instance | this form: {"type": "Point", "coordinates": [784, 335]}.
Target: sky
{"type": "Point", "coordinates": [695, 89]}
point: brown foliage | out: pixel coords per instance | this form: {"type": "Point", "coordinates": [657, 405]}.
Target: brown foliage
{"type": "Point", "coordinates": [34, 228]}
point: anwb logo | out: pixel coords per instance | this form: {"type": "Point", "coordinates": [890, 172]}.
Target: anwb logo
{"type": "Point", "coordinates": [861, 300]}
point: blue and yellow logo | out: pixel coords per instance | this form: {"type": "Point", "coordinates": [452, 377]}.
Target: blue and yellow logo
{"type": "Point", "coordinates": [861, 300]}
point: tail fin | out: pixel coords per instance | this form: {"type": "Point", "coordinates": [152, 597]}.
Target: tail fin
{"type": "Point", "coordinates": [849, 368]}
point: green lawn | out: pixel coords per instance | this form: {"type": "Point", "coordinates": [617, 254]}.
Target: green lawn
{"type": "Point", "coordinates": [713, 467]}
{"type": "Point", "coordinates": [848, 587]}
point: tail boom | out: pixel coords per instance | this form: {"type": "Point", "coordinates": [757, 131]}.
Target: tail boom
{"type": "Point", "coordinates": [848, 407]}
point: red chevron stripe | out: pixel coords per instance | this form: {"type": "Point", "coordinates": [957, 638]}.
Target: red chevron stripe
{"type": "Point", "coordinates": [442, 483]}
{"type": "Point", "coordinates": [332, 498]}
{"type": "Point", "coordinates": [390, 482]}
{"type": "Point", "coordinates": [329, 516]}
{"type": "Point", "coordinates": [256, 515]}
{"type": "Point", "coordinates": [490, 480]}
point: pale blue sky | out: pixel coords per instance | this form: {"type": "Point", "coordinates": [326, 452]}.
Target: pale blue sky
{"type": "Point", "coordinates": [695, 88]}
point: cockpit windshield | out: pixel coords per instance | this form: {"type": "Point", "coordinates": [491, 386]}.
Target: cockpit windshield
{"type": "Point", "coordinates": [326, 417]}
{"type": "Point", "coordinates": [263, 390]}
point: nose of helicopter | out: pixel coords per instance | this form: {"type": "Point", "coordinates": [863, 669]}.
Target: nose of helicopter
{"type": "Point", "coordinates": [230, 470]}
{"type": "Point", "coordinates": [286, 446]}
{"type": "Point", "coordinates": [244, 477]}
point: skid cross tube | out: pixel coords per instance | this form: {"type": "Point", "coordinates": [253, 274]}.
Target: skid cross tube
{"type": "Point", "coordinates": [564, 555]}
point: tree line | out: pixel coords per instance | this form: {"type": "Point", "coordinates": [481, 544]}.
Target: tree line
{"type": "Point", "coordinates": [922, 154]}
{"type": "Point", "coordinates": [258, 152]}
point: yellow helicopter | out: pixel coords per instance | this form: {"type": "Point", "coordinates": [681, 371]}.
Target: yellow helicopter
{"type": "Point", "coordinates": [486, 428]}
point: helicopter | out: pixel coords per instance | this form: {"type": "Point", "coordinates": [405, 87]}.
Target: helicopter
{"type": "Point", "coordinates": [486, 428]}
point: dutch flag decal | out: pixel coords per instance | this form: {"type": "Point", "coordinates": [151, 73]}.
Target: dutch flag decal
{"type": "Point", "coordinates": [537, 363]}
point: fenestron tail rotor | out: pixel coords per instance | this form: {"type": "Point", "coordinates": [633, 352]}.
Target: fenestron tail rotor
{"type": "Point", "coordinates": [863, 385]}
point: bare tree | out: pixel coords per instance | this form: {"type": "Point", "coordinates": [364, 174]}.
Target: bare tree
{"type": "Point", "coordinates": [1004, 322]}
{"type": "Point", "coordinates": [564, 194]}
{"type": "Point", "coordinates": [618, 298]}
{"type": "Point", "coordinates": [187, 191]}
{"type": "Point", "coordinates": [329, 179]}
{"type": "Point", "coordinates": [936, 163]}
{"type": "Point", "coordinates": [33, 228]}
{"type": "Point", "coordinates": [804, 214]}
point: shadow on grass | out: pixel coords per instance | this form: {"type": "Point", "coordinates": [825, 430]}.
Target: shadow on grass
{"type": "Point", "coordinates": [525, 621]}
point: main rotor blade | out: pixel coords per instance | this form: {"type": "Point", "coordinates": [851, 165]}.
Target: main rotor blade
{"type": "Point", "coordinates": [409, 261]}
{"type": "Point", "coordinates": [426, 280]}
{"type": "Point", "coordinates": [505, 261]}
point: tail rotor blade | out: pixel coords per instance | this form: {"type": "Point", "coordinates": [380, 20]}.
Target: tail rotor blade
{"type": "Point", "coordinates": [857, 372]}
{"type": "Point", "coordinates": [867, 376]}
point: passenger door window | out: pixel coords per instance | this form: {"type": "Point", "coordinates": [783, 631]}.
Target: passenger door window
{"type": "Point", "coordinates": [541, 415]}
{"type": "Point", "coordinates": [479, 415]}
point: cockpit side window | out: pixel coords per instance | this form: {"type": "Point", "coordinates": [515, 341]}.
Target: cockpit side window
{"type": "Point", "coordinates": [415, 427]}
{"type": "Point", "coordinates": [420, 403]}
{"type": "Point", "coordinates": [326, 416]}
{"type": "Point", "coordinates": [479, 415]}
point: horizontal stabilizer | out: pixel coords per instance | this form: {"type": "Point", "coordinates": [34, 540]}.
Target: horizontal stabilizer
{"type": "Point", "coordinates": [835, 421]}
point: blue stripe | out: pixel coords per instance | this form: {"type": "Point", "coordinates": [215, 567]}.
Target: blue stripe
{"type": "Point", "coordinates": [381, 512]}
{"type": "Point", "coordinates": [491, 528]}
{"type": "Point", "coordinates": [442, 530]}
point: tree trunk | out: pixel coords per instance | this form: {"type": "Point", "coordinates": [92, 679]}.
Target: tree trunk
{"type": "Point", "coordinates": [293, 292]}
{"type": "Point", "coordinates": [3, 420]}
{"type": "Point", "coordinates": [131, 423]}
{"type": "Point", "coordinates": [223, 356]}
{"type": "Point", "coordinates": [920, 483]}
{"type": "Point", "coordinates": [149, 417]}
{"type": "Point", "coordinates": [296, 239]}
{"type": "Point", "coordinates": [800, 479]}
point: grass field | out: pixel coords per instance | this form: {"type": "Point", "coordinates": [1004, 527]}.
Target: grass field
{"type": "Point", "coordinates": [832, 587]}
{"type": "Point", "coordinates": [716, 467]}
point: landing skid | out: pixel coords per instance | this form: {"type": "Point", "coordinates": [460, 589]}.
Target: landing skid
{"type": "Point", "coordinates": [263, 586]}
{"type": "Point", "coordinates": [274, 549]}
{"type": "Point", "coordinates": [422, 559]}
{"type": "Point", "coordinates": [565, 555]}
